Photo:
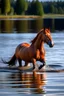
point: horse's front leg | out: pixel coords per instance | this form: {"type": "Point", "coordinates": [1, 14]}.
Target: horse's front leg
{"type": "Point", "coordinates": [34, 62]}
{"type": "Point", "coordinates": [43, 64]}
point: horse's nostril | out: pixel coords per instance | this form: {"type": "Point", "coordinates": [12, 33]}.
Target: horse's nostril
{"type": "Point", "coordinates": [51, 45]}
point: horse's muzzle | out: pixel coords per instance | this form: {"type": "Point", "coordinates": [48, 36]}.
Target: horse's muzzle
{"type": "Point", "coordinates": [51, 44]}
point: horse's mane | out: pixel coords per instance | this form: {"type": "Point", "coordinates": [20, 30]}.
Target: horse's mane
{"type": "Point", "coordinates": [33, 41]}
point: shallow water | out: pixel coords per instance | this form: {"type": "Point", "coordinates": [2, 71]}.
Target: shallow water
{"type": "Point", "coordinates": [16, 83]}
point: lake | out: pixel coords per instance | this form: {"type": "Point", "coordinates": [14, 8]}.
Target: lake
{"type": "Point", "coordinates": [17, 83]}
{"type": "Point", "coordinates": [30, 25]}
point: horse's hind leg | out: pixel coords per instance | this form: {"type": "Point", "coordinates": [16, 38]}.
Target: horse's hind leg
{"type": "Point", "coordinates": [20, 62]}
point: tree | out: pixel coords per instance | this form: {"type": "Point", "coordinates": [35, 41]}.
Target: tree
{"type": "Point", "coordinates": [31, 8]}
{"type": "Point", "coordinates": [39, 8]}
{"type": "Point", "coordinates": [20, 7]}
{"type": "Point", "coordinates": [5, 5]}
{"type": "Point", "coordinates": [63, 10]}
{"type": "Point", "coordinates": [60, 10]}
{"type": "Point", "coordinates": [35, 8]}
{"type": "Point", "coordinates": [11, 11]}
{"type": "Point", "coordinates": [52, 9]}
{"type": "Point", "coordinates": [56, 10]}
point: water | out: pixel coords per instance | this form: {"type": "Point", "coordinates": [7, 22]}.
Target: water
{"type": "Point", "coordinates": [30, 25]}
{"type": "Point", "coordinates": [16, 83]}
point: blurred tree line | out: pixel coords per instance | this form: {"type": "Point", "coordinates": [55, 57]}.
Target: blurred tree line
{"type": "Point", "coordinates": [25, 7]}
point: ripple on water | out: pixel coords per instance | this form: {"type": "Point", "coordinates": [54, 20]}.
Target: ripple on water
{"type": "Point", "coordinates": [17, 83]}
{"type": "Point", "coordinates": [31, 83]}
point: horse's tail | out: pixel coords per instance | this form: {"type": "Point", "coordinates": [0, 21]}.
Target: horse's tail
{"type": "Point", "coordinates": [12, 61]}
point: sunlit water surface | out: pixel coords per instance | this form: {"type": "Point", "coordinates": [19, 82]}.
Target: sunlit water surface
{"type": "Point", "coordinates": [15, 83]}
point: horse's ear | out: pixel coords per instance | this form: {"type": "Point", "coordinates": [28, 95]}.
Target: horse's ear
{"type": "Point", "coordinates": [46, 30]}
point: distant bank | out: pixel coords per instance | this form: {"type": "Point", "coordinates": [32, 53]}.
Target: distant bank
{"type": "Point", "coordinates": [31, 16]}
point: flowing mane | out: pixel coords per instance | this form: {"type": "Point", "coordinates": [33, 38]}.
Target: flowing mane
{"type": "Point", "coordinates": [33, 41]}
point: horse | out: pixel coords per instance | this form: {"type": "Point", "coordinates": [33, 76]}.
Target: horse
{"type": "Point", "coordinates": [30, 53]}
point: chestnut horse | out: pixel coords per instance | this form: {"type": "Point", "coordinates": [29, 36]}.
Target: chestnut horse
{"type": "Point", "coordinates": [33, 52]}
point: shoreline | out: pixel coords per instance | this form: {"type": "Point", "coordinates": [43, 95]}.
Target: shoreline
{"type": "Point", "coordinates": [52, 16]}
{"type": "Point", "coordinates": [18, 16]}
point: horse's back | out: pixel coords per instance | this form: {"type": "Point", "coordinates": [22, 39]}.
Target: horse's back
{"type": "Point", "coordinates": [22, 45]}
{"type": "Point", "coordinates": [22, 50]}
{"type": "Point", "coordinates": [25, 45]}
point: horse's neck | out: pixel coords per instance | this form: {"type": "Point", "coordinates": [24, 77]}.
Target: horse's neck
{"type": "Point", "coordinates": [39, 44]}
{"type": "Point", "coordinates": [42, 46]}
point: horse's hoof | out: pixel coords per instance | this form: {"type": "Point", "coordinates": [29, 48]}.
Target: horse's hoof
{"type": "Point", "coordinates": [41, 67]}
{"type": "Point", "coordinates": [34, 68]}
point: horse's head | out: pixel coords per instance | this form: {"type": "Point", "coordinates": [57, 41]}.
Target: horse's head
{"type": "Point", "coordinates": [48, 38]}
{"type": "Point", "coordinates": [43, 35]}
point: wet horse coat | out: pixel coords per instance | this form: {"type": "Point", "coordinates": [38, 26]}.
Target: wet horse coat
{"type": "Point", "coordinates": [33, 52]}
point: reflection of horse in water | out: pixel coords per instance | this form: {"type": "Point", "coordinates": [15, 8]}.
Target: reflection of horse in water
{"type": "Point", "coordinates": [35, 51]}
{"type": "Point", "coordinates": [33, 82]}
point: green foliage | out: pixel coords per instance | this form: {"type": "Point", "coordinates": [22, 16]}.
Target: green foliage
{"type": "Point", "coordinates": [52, 9]}
{"type": "Point", "coordinates": [35, 8]}
{"type": "Point", "coordinates": [39, 8]}
{"type": "Point", "coordinates": [60, 10]}
{"type": "Point", "coordinates": [20, 7]}
{"type": "Point", "coordinates": [5, 6]}
{"type": "Point", "coordinates": [11, 11]}
{"type": "Point", "coordinates": [10, 7]}
{"type": "Point", "coordinates": [56, 10]}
